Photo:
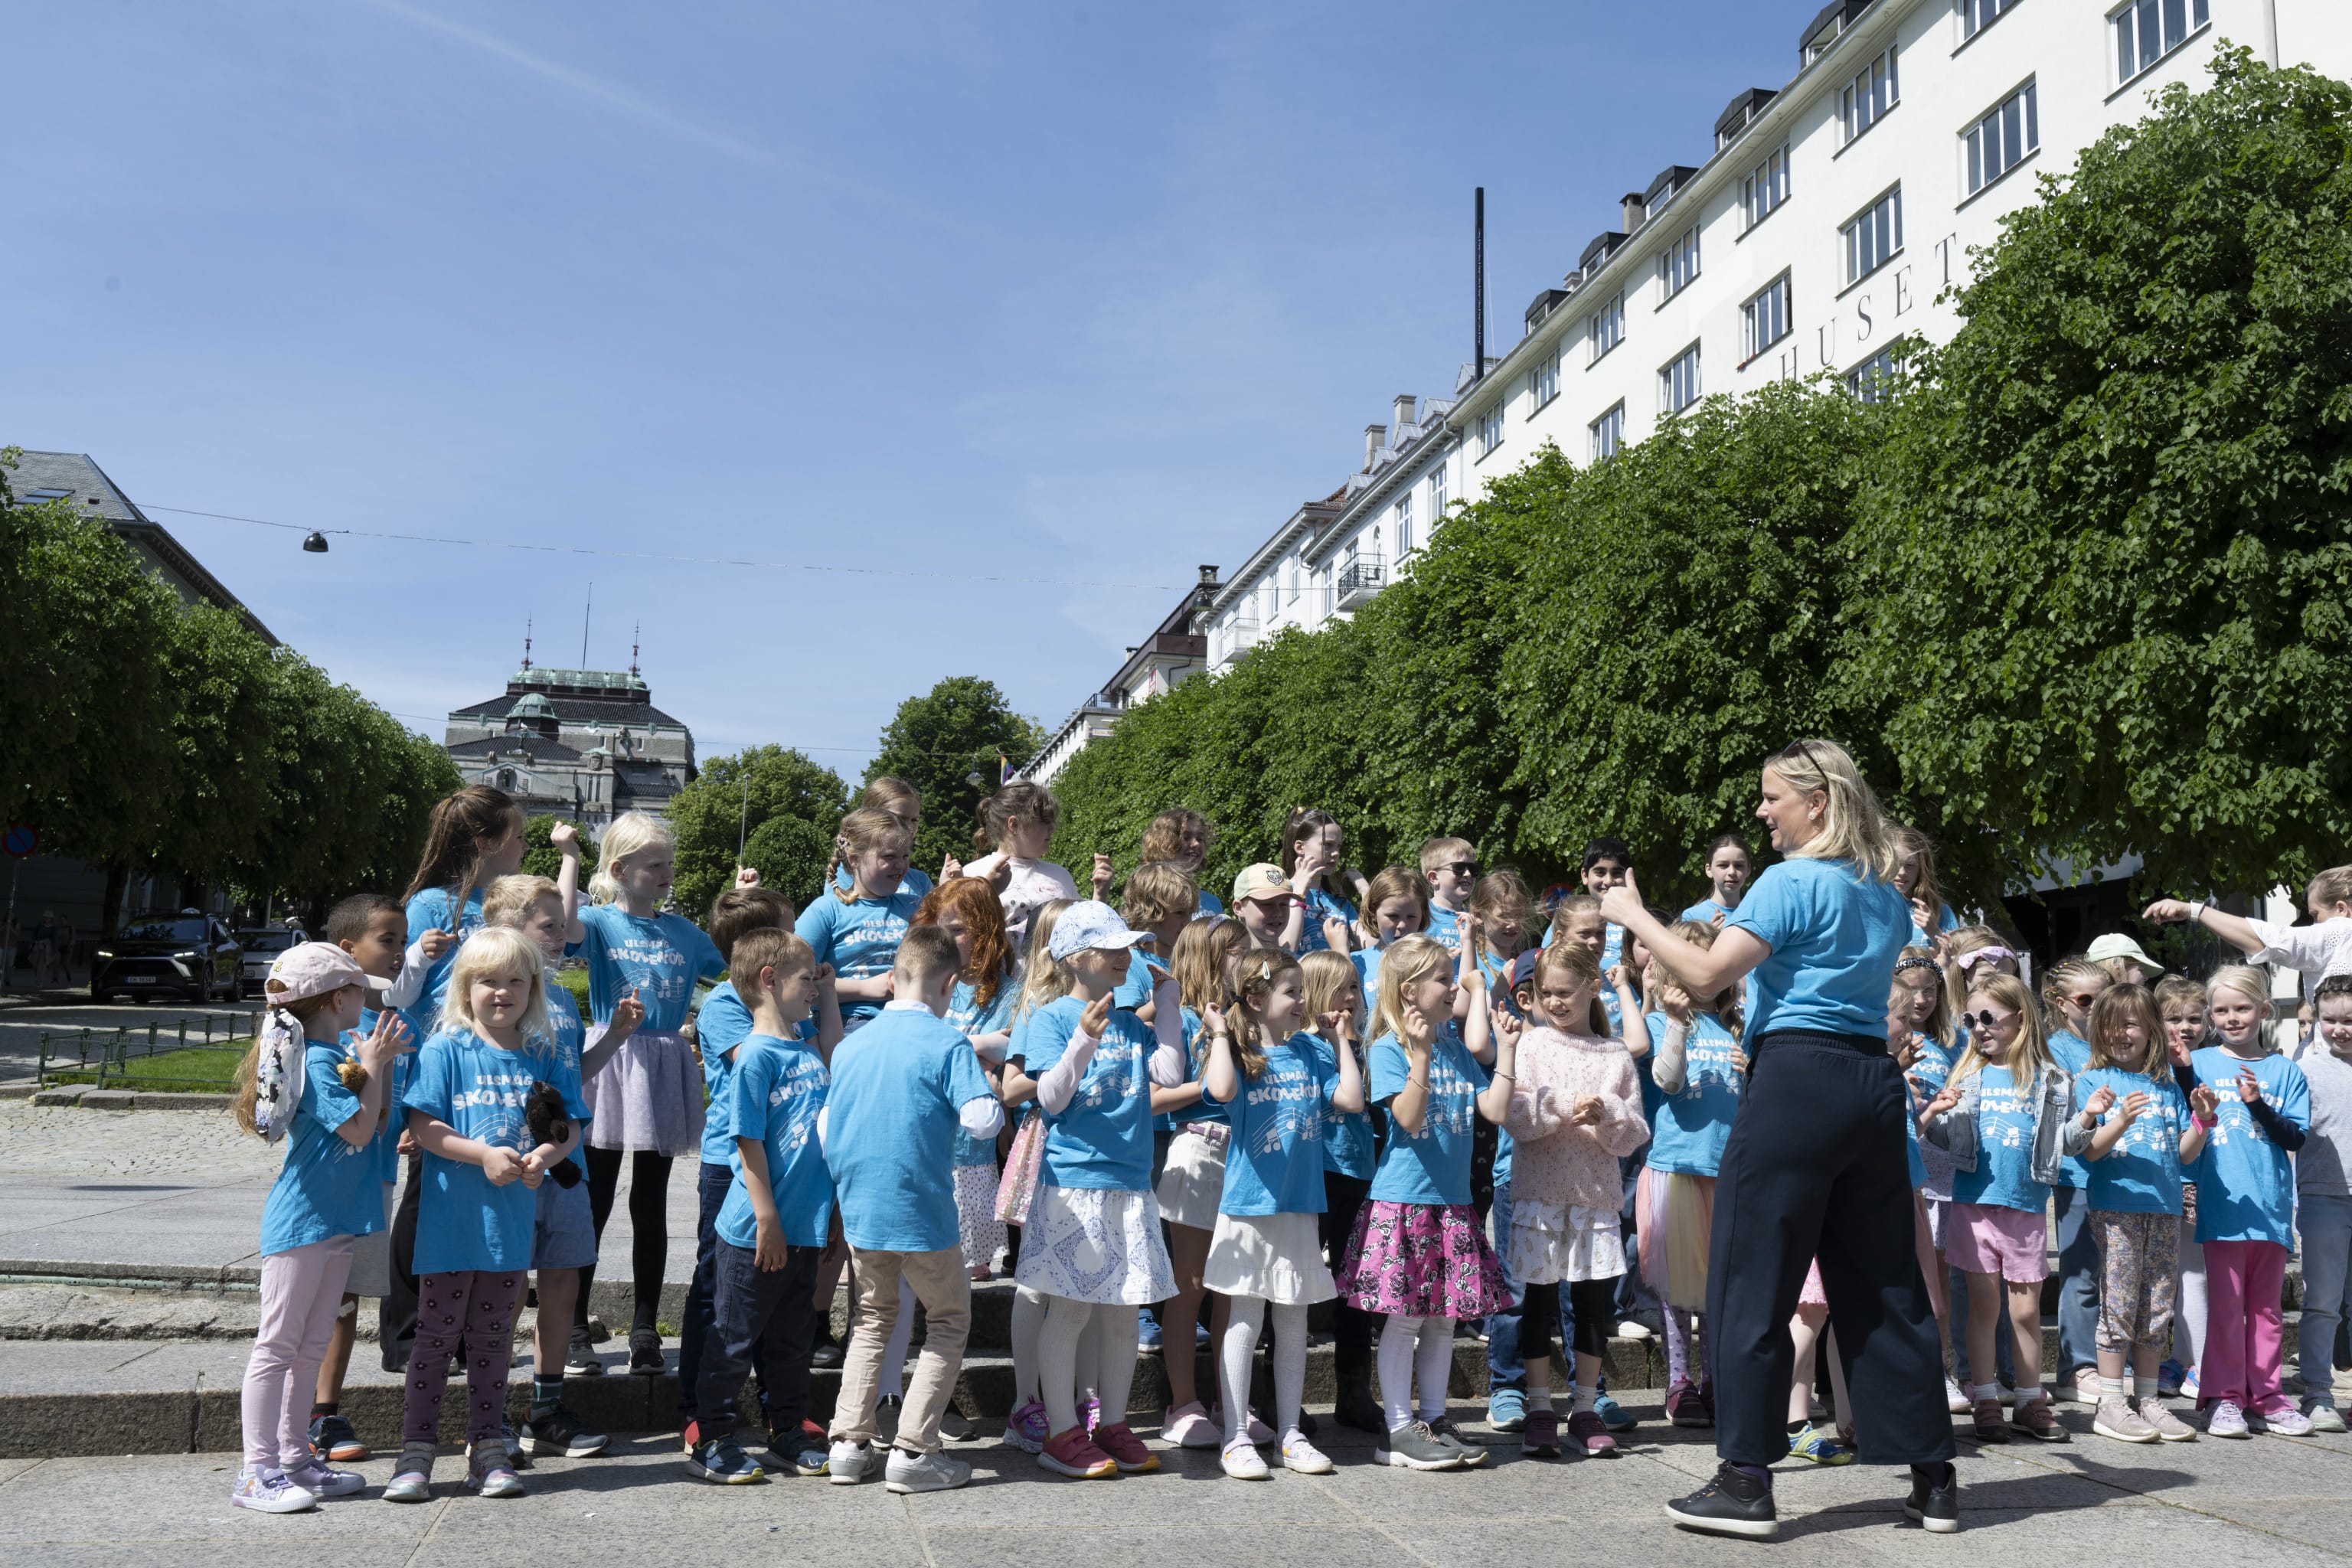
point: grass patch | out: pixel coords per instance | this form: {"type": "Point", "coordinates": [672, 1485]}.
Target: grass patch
{"type": "Point", "coordinates": [198, 1068]}
{"type": "Point", "coordinates": [576, 982]}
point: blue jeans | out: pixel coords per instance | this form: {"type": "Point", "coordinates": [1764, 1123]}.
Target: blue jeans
{"type": "Point", "coordinates": [1503, 1368]}
{"type": "Point", "coordinates": [2325, 1221]}
{"type": "Point", "coordinates": [701, 1291]}
{"type": "Point", "coordinates": [2078, 1281]}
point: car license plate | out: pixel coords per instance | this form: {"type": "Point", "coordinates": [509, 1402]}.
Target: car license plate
{"type": "Point", "coordinates": [141, 977]}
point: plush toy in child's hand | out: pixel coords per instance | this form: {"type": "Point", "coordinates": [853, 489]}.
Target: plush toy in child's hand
{"type": "Point", "coordinates": [551, 1123]}
{"type": "Point", "coordinates": [354, 1077]}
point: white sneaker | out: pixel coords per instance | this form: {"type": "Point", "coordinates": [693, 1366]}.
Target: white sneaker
{"type": "Point", "coordinates": [322, 1482]}
{"type": "Point", "coordinates": [923, 1473]}
{"type": "Point", "coordinates": [1305, 1457]}
{"type": "Point", "coordinates": [2285, 1423]}
{"type": "Point", "coordinates": [846, 1464]}
{"type": "Point", "coordinates": [2226, 1420]}
{"type": "Point", "coordinates": [1630, 1330]}
{"type": "Point", "coordinates": [1957, 1403]}
{"type": "Point", "coordinates": [1241, 1461]}
{"type": "Point", "coordinates": [270, 1493]}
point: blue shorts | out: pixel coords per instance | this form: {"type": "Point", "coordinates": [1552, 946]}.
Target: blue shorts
{"type": "Point", "coordinates": [563, 1233]}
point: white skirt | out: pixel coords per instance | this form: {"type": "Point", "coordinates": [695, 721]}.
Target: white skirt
{"type": "Point", "coordinates": [648, 1098]}
{"type": "Point", "coordinates": [1553, 1242]}
{"type": "Point", "coordinates": [1193, 1182]}
{"type": "Point", "coordinates": [1087, 1244]}
{"type": "Point", "coordinates": [1277, 1257]}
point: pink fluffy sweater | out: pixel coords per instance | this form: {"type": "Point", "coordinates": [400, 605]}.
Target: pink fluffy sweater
{"type": "Point", "coordinates": [1553, 1160]}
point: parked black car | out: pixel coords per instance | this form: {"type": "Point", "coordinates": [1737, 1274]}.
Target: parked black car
{"type": "Point", "coordinates": [262, 944]}
{"type": "Point", "coordinates": [184, 954]}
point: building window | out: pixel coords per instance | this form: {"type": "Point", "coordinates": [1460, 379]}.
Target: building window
{"type": "Point", "coordinates": [1765, 188]}
{"type": "Point", "coordinates": [1292, 573]}
{"type": "Point", "coordinates": [1490, 429]}
{"type": "Point", "coordinates": [1606, 329]}
{"type": "Point", "coordinates": [1764, 320]}
{"type": "Point", "coordinates": [1677, 264]}
{"type": "Point", "coordinates": [1404, 522]}
{"type": "Point", "coordinates": [1864, 101]}
{"type": "Point", "coordinates": [1608, 433]}
{"type": "Point", "coordinates": [1543, 385]}
{"type": "Point", "coordinates": [1678, 382]}
{"type": "Point", "coordinates": [1873, 379]}
{"type": "Point", "coordinates": [1976, 16]}
{"type": "Point", "coordinates": [1999, 142]}
{"type": "Point", "coordinates": [1437, 493]}
{"type": "Point", "coordinates": [2150, 29]}
{"type": "Point", "coordinates": [1873, 238]}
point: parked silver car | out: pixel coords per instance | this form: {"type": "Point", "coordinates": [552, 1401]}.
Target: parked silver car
{"type": "Point", "coordinates": [262, 944]}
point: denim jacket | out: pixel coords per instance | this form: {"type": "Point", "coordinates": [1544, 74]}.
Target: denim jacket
{"type": "Point", "coordinates": [1955, 1131]}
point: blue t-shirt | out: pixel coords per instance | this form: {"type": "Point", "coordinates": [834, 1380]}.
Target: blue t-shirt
{"type": "Point", "coordinates": [1347, 1146]}
{"type": "Point", "coordinates": [778, 1087]}
{"type": "Point", "coordinates": [463, 1222]}
{"type": "Point", "coordinates": [383, 1149]}
{"type": "Point", "coordinates": [860, 940]}
{"type": "Point", "coordinates": [326, 1188]}
{"type": "Point", "coordinates": [1322, 906]}
{"type": "Point", "coordinates": [1835, 938]}
{"type": "Point", "coordinates": [969, 1020]}
{"type": "Point", "coordinates": [1196, 1061]}
{"type": "Point", "coordinates": [661, 955]}
{"type": "Point", "coordinates": [1944, 920]}
{"type": "Point", "coordinates": [1102, 1138]}
{"type": "Point", "coordinates": [1274, 1162]}
{"type": "Point", "coordinates": [1446, 925]}
{"type": "Point", "coordinates": [1135, 989]}
{"type": "Point", "coordinates": [916, 882]}
{"type": "Point", "coordinates": [429, 910]}
{"type": "Point", "coordinates": [1432, 1165]}
{"type": "Point", "coordinates": [562, 1072]}
{"type": "Point", "coordinates": [890, 1127]}
{"type": "Point", "coordinates": [2004, 1174]}
{"type": "Point", "coordinates": [1706, 909]}
{"type": "Point", "coordinates": [2072, 1053]}
{"type": "Point", "coordinates": [1932, 1067]}
{"type": "Point", "coordinates": [2142, 1173]}
{"type": "Point", "coordinates": [1688, 1130]}
{"type": "Point", "coordinates": [2245, 1182]}
{"type": "Point", "coordinates": [1211, 904]}
{"type": "Point", "coordinates": [721, 1025]}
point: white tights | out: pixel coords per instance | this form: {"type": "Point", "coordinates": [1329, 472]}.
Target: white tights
{"type": "Point", "coordinates": [1063, 1365]}
{"type": "Point", "coordinates": [1289, 1365]}
{"type": "Point", "coordinates": [1400, 1363]}
{"type": "Point", "coordinates": [1028, 1321]}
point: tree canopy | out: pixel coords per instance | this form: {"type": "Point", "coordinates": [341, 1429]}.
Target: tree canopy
{"type": "Point", "coordinates": [781, 807]}
{"type": "Point", "coordinates": [940, 743]}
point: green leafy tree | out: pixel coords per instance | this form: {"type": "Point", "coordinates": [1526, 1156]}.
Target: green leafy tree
{"type": "Point", "coordinates": [769, 796]}
{"type": "Point", "coordinates": [2110, 575]}
{"type": "Point", "coordinates": [941, 741]}
{"type": "Point", "coordinates": [540, 858]}
{"type": "Point", "coordinates": [230, 735]}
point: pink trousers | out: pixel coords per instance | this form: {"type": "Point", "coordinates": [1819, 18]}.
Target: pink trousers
{"type": "Point", "coordinates": [2244, 1281]}
{"type": "Point", "coordinates": [300, 1292]}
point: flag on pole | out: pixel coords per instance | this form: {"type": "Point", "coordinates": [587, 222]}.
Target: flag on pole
{"type": "Point", "coordinates": [1003, 769]}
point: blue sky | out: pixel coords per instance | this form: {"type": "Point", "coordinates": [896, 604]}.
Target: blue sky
{"type": "Point", "coordinates": [1085, 292]}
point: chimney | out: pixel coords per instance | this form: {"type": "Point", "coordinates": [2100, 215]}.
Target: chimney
{"type": "Point", "coordinates": [1208, 576]}
{"type": "Point", "coordinates": [1637, 208]}
{"type": "Point", "coordinates": [1375, 438]}
{"type": "Point", "coordinates": [1404, 420]}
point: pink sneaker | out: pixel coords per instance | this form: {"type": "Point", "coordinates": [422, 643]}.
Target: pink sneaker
{"type": "Point", "coordinates": [1126, 1449]}
{"type": "Point", "coordinates": [1586, 1432]}
{"type": "Point", "coordinates": [1026, 1429]}
{"type": "Point", "coordinates": [1189, 1426]}
{"type": "Point", "coordinates": [1073, 1454]}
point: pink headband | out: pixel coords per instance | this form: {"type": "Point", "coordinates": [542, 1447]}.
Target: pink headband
{"type": "Point", "coordinates": [1994, 954]}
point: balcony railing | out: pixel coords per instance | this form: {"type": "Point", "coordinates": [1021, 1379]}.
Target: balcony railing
{"type": "Point", "coordinates": [1236, 637]}
{"type": "Point", "coordinates": [1358, 581]}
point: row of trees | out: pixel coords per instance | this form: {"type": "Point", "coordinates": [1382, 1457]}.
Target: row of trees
{"type": "Point", "coordinates": [2080, 587]}
{"type": "Point", "coordinates": [139, 732]}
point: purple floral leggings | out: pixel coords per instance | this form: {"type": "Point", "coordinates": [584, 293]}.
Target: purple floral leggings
{"type": "Point", "coordinates": [477, 1306]}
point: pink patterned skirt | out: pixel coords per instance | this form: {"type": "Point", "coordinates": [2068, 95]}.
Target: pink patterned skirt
{"type": "Point", "coordinates": [1422, 1260]}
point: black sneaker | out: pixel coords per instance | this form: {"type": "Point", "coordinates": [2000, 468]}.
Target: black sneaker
{"type": "Point", "coordinates": [1935, 1507]}
{"type": "Point", "coordinates": [580, 1361]}
{"type": "Point", "coordinates": [560, 1432]}
{"type": "Point", "coordinates": [828, 1354]}
{"type": "Point", "coordinates": [646, 1354]}
{"type": "Point", "coordinates": [1733, 1503]}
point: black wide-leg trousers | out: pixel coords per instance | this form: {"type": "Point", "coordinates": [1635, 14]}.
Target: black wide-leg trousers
{"type": "Point", "coordinates": [1817, 1167]}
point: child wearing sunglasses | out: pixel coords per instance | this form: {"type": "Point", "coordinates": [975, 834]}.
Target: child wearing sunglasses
{"type": "Point", "coordinates": [1452, 867]}
{"type": "Point", "coordinates": [2001, 1116]}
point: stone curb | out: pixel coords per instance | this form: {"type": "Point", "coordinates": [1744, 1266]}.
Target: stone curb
{"type": "Point", "coordinates": [89, 1099]}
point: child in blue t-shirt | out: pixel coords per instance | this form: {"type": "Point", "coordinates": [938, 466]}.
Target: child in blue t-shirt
{"type": "Point", "coordinates": [1418, 1253]}
{"type": "Point", "coordinates": [2245, 1209]}
{"type": "Point", "coordinates": [1336, 1010]}
{"type": "Point", "coordinates": [2137, 1133]}
{"type": "Point", "coordinates": [1282, 1094]}
{"type": "Point", "coordinates": [858, 929]}
{"type": "Point", "coordinates": [466, 1106]}
{"type": "Point", "coordinates": [2002, 1115]}
{"type": "Point", "coordinates": [295, 1085]}
{"type": "Point", "coordinates": [476, 838]}
{"type": "Point", "coordinates": [770, 1232]}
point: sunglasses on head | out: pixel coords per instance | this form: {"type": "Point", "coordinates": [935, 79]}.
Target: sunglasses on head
{"type": "Point", "coordinates": [1796, 749]}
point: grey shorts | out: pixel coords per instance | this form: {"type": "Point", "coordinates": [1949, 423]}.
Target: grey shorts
{"type": "Point", "coordinates": [563, 1233]}
{"type": "Point", "coordinates": [371, 1256]}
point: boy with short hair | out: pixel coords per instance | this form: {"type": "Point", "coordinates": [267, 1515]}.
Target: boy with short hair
{"type": "Point", "coordinates": [1261, 902]}
{"type": "Point", "coordinates": [770, 1232]}
{"type": "Point", "coordinates": [1452, 867]}
{"type": "Point", "coordinates": [902, 1086]}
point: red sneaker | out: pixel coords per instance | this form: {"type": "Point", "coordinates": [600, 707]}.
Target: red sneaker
{"type": "Point", "coordinates": [1073, 1454]}
{"type": "Point", "coordinates": [1585, 1431]}
{"type": "Point", "coordinates": [1126, 1449]}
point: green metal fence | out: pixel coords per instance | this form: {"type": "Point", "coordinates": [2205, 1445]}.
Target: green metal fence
{"type": "Point", "coordinates": [198, 1055]}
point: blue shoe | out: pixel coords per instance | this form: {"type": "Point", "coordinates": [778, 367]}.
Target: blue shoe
{"type": "Point", "coordinates": [1200, 1335]}
{"type": "Point", "coordinates": [1507, 1410]}
{"type": "Point", "coordinates": [1613, 1415]}
{"type": "Point", "coordinates": [1816, 1446]}
{"type": "Point", "coordinates": [1147, 1330]}
{"type": "Point", "coordinates": [720, 1459]}
{"type": "Point", "coordinates": [2168, 1379]}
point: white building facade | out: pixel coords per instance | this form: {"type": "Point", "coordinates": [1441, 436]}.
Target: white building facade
{"type": "Point", "coordinates": [1818, 231]}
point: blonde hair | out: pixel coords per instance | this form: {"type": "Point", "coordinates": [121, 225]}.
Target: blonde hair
{"type": "Point", "coordinates": [2246, 981]}
{"type": "Point", "coordinates": [510, 898]}
{"type": "Point", "coordinates": [1437, 852]}
{"type": "Point", "coordinates": [1403, 962]}
{"type": "Point", "coordinates": [1159, 890]}
{"type": "Point", "coordinates": [1330, 976]}
{"type": "Point", "coordinates": [1499, 897]}
{"type": "Point", "coordinates": [2108, 1016]}
{"type": "Point", "coordinates": [1912, 845]}
{"type": "Point", "coordinates": [2033, 1050]}
{"type": "Point", "coordinates": [1043, 980]}
{"type": "Point", "coordinates": [1916, 958]}
{"type": "Point", "coordinates": [1582, 968]}
{"type": "Point", "coordinates": [632, 833]}
{"type": "Point", "coordinates": [1198, 961]}
{"type": "Point", "coordinates": [1396, 882]}
{"type": "Point", "coordinates": [2333, 886]}
{"type": "Point", "coordinates": [1724, 1004]}
{"type": "Point", "coordinates": [1252, 978]}
{"type": "Point", "coordinates": [2178, 990]}
{"type": "Point", "coordinates": [1852, 828]}
{"type": "Point", "coordinates": [2067, 974]}
{"type": "Point", "coordinates": [1163, 839]}
{"type": "Point", "coordinates": [491, 950]}
{"type": "Point", "coordinates": [861, 832]}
